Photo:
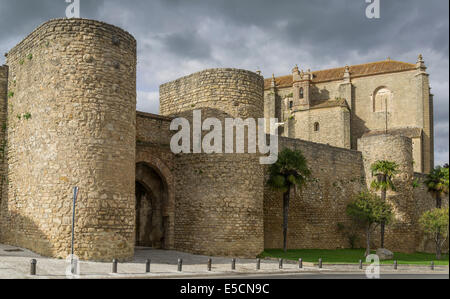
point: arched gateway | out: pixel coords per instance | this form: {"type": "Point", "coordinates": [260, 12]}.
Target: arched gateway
{"type": "Point", "coordinates": [154, 215]}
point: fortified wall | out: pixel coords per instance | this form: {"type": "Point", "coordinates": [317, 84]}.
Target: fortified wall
{"type": "Point", "coordinates": [218, 197]}
{"type": "Point", "coordinates": [315, 211]}
{"type": "Point", "coordinates": [3, 117]}
{"type": "Point", "coordinates": [68, 115]}
{"type": "Point", "coordinates": [71, 122]}
{"type": "Point", "coordinates": [153, 154]}
{"type": "Point", "coordinates": [337, 176]}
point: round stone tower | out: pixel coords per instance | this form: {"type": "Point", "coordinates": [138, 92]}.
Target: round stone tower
{"type": "Point", "coordinates": [219, 197]}
{"type": "Point", "coordinates": [401, 235]}
{"type": "Point", "coordinates": [72, 122]}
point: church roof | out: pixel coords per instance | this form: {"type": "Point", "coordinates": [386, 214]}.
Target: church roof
{"type": "Point", "coordinates": [361, 70]}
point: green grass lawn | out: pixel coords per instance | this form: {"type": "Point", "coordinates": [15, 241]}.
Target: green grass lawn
{"type": "Point", "coordinates": [350, 256]}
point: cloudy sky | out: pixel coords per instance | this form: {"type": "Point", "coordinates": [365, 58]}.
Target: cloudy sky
{"type": "Point", "coordinates": [178, 37]}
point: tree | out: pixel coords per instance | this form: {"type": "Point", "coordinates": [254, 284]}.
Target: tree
{"type": "Point", "coordinates": [385, 172]}
{"type": "Point", "coordinates": [351, 232]}
{"type": "Point", "coordinates": [437, 184]}
{"type": "Point", "coordinates": [435, 223]}
{"type": "Point", "coordinates": [370, 210]}
{"type": "Point", "coordinates": [291, 170]}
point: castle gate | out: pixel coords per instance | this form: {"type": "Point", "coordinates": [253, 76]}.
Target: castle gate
{"type": "Point", "coordinates": [152, 208]}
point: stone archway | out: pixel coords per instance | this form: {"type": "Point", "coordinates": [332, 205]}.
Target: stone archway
{"type": "Point", "coordinates": [152, 212]}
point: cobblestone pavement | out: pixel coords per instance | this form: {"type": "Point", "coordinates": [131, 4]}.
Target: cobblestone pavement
{"type": "Point", "coordinates": [15, 263]}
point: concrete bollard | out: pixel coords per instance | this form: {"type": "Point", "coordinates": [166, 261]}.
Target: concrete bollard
{"type": "Point", "coordinates": [300, 263]}
{"type": "Point", "coordinates": [432, 265]}
{"type": "Point", "coordinates": [233, 264]}
{"type": "Point", "coordinates": [360, 264]}
{"type": "Point", "coordinates": [180, 265]}
{"type": "Point", "coordinates": [280, 264]}
{"type": "Point", "coordinates": [209, 266]}
{"type": "Point", "coordinates": [33, 267]}
{"type": "Point", "coordinates": [147, 266]}
{"type": "Point", "coordinates": [258, 264]}
{"type": "Point", "coordinates": [320, 263]}
{"type": "Point", "coordinates": [114, 266]}
{"type": "Point", "coordinates": [395, 265]}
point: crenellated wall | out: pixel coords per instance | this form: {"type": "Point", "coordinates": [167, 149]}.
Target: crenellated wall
{"type": "Point", "coordinates": [72, 122]}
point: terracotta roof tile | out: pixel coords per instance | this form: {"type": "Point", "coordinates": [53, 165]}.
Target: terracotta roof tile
{"type": "Point", "coordinates": [373, 68]}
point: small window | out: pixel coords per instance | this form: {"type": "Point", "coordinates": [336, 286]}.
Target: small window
{"type": "Point", "coordinates": [316, 127]}
{"type": "Point", "coordinates": [302, 93]}
{"type": "Point", "coordinates": [291, 104]}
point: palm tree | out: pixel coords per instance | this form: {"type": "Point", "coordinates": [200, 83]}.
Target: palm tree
{"type": "Point", "coordinates": [437, 184]}
{"type": "Point", "coordinates": [385, 172]}
{"type": "Point", "coordinates": [291, 170]}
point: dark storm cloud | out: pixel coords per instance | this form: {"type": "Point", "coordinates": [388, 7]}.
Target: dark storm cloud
{"type": "Point", "coordinates": [177, 37]}
{"type": "Point", "coordinates": [187, 43]}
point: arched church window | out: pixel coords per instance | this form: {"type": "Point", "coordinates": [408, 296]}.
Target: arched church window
{"type": "Point", "coordinates": [316, 127]}
{"type": "Point", "coordinates": [302, 93]}
{"type": "Point", "coordinates": [382, 100]}
{"type": "Point", "coordinates": [291, 104]}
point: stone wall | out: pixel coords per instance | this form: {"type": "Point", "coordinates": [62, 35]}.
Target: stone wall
{"type": "Point", "coordinates": [72, 122]}
{"type": "Point", "coordinates": [337, 176]}
{"type": "Point", "coordinates": [219, 197]}
{"type": "Point", "coordinates": [424, 201]}
{"type": "Point", "coordinates": [411, 106]}
{"type": "Point", "coordinates": [327, 126]}
{"type": "Point", "coordinates": [406, 109]}
{"type": "Point", "coordinates": [153, 151]}
{"type": "Point", "coordinates": [315, 211]}
{"type": "Point", "coordinates": [400, 235]}
{"type": "Point", "coordinates": [3, 117]}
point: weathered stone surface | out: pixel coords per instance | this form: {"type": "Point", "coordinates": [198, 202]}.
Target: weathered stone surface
{"type": "Point", "coordinates": [67, 127]}
{"type": "Point", "coordinates": [70, 119]}
{"type": "Point", "coordinates": [365, 90]}
{"type": "Point", "coordinates": [385, 254]}
{"type": "Point", "coordinates": [219, 197]}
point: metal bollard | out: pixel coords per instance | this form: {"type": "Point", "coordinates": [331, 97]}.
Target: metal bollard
{"type": "Point", "coordinates": [395, 265]}
{"type": "Point", "coordinates": [147, 266]}
{"type": "Point", "coordinates": [209, 264]}
{"type": "Point", "coordinates": [180, 265]}
{"type": "Point", "coordinates": [233, 264]}
{"type": "Point", "coordinates": [280, 264]}
{"type": "Point", "coordinates": [432, 265]}
{"type": "Point", "coordinates": [320, 263]}
{"type": "Point", "coordinates": [360, 265]}
{"type": "Point", "coordinates": [33, 267]}
{"type": "Point", "coordinates": [258, 264]}
{"type": "Point", "coordinates": [114, 266]}
{"type": "Point", "coordinates": [300, 264]}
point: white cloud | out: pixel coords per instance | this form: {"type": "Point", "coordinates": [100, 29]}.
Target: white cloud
{"type": "Point", "coordinates": [148, 101]}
